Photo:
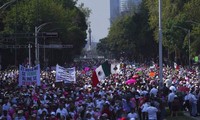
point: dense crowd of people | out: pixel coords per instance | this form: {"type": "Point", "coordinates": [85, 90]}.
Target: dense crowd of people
{"type": "Point", "coordinates": [111, 99]}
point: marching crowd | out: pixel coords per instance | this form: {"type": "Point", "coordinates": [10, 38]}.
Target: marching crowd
{"type": "Point", "coordinates": [111, 99]}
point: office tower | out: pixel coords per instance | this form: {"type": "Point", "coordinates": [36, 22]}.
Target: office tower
{"type": "Point", "coordinates": [120, 7]}
{"type": "Point", "coordinates": [114, 10]}
{"type": "Point", "coordinates": [128, 5]}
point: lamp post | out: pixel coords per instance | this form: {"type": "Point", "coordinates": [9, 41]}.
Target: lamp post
{"type": "Point", "coordinates": [29, 55]}
{"type": "Point", "coordinates": [37, 30]}
{"type": "Point", "coordinates": [188, 32]}
{"type": "Point", "coordinates": [4, 6]}
{"type": "Point", "coordinates": [190, 21]}
{"type": "Point", "coordinates": [160, 44]}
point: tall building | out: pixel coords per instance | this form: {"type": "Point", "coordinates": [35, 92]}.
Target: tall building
{"type": "Point", "coordinates": [114, 10]}
{"type": "Point", "coordinates": [128, 5]}
{"type": "Point", "coordinates": [119, 7]}
{"type": "Point", "coordinates": [123, 6]}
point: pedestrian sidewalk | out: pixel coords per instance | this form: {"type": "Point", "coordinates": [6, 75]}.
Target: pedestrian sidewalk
{"type": "Point", "coordinates": [188, 115]}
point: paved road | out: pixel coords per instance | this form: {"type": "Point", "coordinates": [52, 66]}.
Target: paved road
{"type": "Point", "coordinates": [188, 114]}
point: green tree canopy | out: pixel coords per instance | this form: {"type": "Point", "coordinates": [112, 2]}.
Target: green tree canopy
{"type": "Point", "coordinates": [62, 17]}
{"type": "Point", "coordinates": [130, 36]}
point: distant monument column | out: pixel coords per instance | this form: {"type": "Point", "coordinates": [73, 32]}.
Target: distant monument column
{"type": "Point", "coordinates": [89, 31]}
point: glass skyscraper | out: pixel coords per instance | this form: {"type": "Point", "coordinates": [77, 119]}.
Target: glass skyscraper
{"type": "Point", "coordinates": [119, 7]}
{"type": "Point", "coordinates": [114, 9]}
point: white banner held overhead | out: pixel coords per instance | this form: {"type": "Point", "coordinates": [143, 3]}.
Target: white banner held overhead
{"type": "Point", "coordinates": [29, 76]}
{"type": "Point", "coordinates": [68, 75]}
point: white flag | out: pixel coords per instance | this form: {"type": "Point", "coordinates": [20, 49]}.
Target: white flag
{"type": "Point", "coordinates": [115, 68]}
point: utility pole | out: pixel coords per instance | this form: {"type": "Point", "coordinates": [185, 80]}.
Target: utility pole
{"type": "Point", "coordinates": [36, 47]}
{"type": "Point", "coordinates": [37, 30]}
{"type": "Point", "coordinates": [29, 54]}
{"type": "Point", "coordinates": [160, 45]}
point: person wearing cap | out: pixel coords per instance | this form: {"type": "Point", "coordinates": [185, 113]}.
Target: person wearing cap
{"type": "Point", "coordinates": [53, 116]}
{"type": "Point", "coordinates": [20, 115]}
{"type": "Point", "coordinates": [104, 116]}
{"type": "Point", "coordinates": [34, 117]}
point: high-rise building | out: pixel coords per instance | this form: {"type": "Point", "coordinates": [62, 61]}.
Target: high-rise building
{"type": "Point", "coordinates": [119, 7]}
{"type": "Point", "coordinates": [114, 10]}
{"type": "Point", "coordinates": [128, 5]}
{"type": "Point", "coordinates": [123, 6]}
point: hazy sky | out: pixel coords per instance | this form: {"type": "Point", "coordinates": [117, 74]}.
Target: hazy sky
{"type": "Point", "coordinates": [99, 17]}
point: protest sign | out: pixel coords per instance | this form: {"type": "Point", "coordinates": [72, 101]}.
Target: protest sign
{"type": "Point", "coordinates": [29, 76]}
{"type": "Point", "coordinates": [68, 75]}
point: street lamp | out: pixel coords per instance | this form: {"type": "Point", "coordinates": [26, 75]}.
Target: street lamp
{"type": "Point", "coordinates": [188, 32]}
{"type": "Point", "coordinates": [190, 21]}
{"type": "Point", "coordinates": [4, 6]}
{"type": "Point", "coordinates": [37, 30]}
{"type": "Point", "coordinates": [29, 54]}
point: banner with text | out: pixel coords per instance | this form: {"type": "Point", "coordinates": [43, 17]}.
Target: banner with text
{"type": "Point", "coordinates": [29, 76]}
{"type": "Point", "coordinates": [68, 75]}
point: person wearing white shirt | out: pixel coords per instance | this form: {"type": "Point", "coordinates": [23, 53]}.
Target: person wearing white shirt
{"type": "Point", "coordinates": [193, 103]}
{"type": "Point", "coordinates": [172, 88]}
{"type": "Point", "coordinates": [62, 111]}
{"type": "Point", "coordinates": [132, 115]}
{"type": "Point", "coordinates": [186, 102]}
{"type": "Point", "coordinates": [152, 112]}
{"type": "Point", "coordinates": [170, 99]}
{"type": "Point", "coordinates": [42, 109]}
{"type": "Point", "coordinates": [168, 82]}
{"type": "Point", "coordinates": [154, 91]}
{"type": "Point", "coordinates": [6, 106]}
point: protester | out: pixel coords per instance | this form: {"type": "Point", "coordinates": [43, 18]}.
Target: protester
{"type": "Point", "coordinates": [152, 112]}
{"type": "Point", "coordinates": [175, 106]}
{"type": "Point", "coordinates": [112, 98]}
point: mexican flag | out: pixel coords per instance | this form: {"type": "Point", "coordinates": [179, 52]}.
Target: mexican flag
{"type": "Point", "coordinates": [100, 73]}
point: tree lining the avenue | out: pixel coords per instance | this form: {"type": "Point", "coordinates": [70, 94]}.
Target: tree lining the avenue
{"type": "Point", "coordinates": [63, 17]}
{"type": "Point", "coordinates": [136, 34]}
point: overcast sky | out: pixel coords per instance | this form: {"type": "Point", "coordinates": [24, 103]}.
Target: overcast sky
{"type": "Point", "coordinates": [99, 17]}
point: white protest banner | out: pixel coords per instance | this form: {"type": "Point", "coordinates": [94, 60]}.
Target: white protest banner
{"type": "Point", "coordinates": [67, 75]}
{"type": "Point", "coordinates": [29, 76]}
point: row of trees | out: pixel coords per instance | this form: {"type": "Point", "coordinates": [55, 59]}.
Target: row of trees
{"type": "Point", "coordinates": [65, 18]}
{"type": "Point", "coordinates": [135, 35]}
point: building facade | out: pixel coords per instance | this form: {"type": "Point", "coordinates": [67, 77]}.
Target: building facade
{"type": "Point", "coordinates": [114, 9]}
{"type": "Point", "coordinates": [119, 7]}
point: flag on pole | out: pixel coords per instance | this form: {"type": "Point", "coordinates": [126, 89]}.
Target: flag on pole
{"type": "Point", "coordinates": [100, 73]}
